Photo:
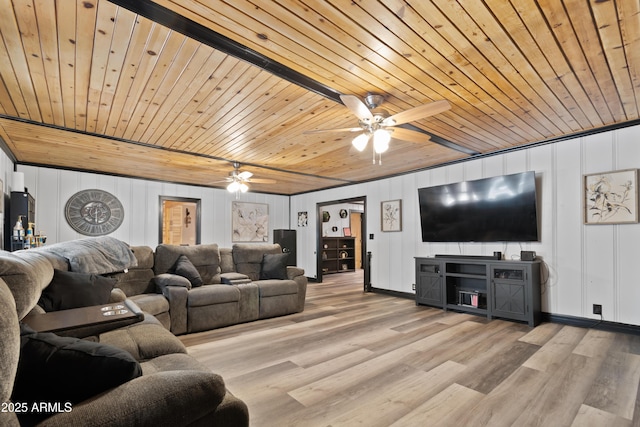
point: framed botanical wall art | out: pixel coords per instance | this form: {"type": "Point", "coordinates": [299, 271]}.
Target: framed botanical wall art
{"type": "Point", "coordinates": [302, 219]}
{"type": "Point", "coordinates": [249, 222]}
{"type": "Point", "coordinates": [391, 215]}
{"type": "Point", "coordinates": [611, 197]}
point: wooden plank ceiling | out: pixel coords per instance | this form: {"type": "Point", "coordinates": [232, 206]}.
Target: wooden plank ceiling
{"type": "Point", "coordinates": [91, 85]}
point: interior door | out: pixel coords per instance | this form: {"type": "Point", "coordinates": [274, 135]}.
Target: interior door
{"type": "Point", "coordinates": [356, 231]}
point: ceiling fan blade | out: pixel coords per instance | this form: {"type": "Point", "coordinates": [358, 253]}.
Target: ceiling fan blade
{"type": "Point", "coordinates": [227, 180]}
{"type": "Point", "coordinates": [358, 107]}
{"type": "Point", "coordinates": [245, 175]}
{"type": "Point", "coordinates": [262, 181]}
{"type": "Point", "coordinates": [417, 113]}
{"type": "Point", "coordinates": [408, 135]}
{"type": "Point", "coordinates": [308, 132]}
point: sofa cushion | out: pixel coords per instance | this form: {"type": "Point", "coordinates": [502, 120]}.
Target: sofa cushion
{"type": "Point", "coordinates": [248, 257]}
{"type": "Point", "coordinates": [64, 369]}
{"type": "Point", "coordinates": [153, 304]}
{"type": "Point", "coordinates": [270, 288]}
{"type": "Point", "coordinates": [274, 266]}
{"type": "Point", "coordinates": [183, 267]}
{"type": "Point", "coordinates": [213, 294]}
{"type": "Point", "coordinates": [72, 290]}
{"type": "Point", "coordinates": [226, 261]}
{"type": "Point", "coordinates": [144, 256]}
{"type": "Point", "coordinates": [206, 259]}
{"type": "Point", "coordinates": [135, 281]}
{"type": "Point", "coordinates": [172, 362]}
{"type": "Point", "coordinates": [145, 340]}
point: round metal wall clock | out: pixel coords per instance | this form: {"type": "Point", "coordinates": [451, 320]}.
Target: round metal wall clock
{"type": "Point", "coordinates": [94, 212]}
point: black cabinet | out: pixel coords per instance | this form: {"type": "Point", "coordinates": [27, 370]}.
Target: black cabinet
{"type": "Point", "coordinates": [287, 240]}
{"type": "Point", "coordinates": [488, 287]}
{"type": "Point", "coordinates": [21, 204]}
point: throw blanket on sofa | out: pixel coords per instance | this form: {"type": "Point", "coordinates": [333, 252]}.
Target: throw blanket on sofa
{"type": "Point", "coordinates": [97, 255]}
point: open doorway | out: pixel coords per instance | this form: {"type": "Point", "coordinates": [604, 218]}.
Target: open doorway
{"type": "Point", "coordinates": [341, 243]}
{"type": "Point", "coordinates": [179, 222]}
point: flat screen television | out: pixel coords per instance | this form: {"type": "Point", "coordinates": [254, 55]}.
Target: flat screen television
{"type": "Point", "coordinates": [497, 209]}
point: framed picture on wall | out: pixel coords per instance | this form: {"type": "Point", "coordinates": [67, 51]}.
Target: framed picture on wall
{"type": "Point", "coordinates": [611, 197]}
{"type": "Point", "coordinates": [249, 222]}
{"type": "Point", "coordinates": [302, 219]}
{"type": "Point", "coordinates": [391, 215]}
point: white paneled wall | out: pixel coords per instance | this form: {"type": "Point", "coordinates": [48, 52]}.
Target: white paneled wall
{"type": "Point", "coordinates": [141, 202]}
{"type": "Point", "coordinates": [585, 265]}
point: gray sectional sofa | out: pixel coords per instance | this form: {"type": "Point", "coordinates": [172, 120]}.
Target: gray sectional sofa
{"type": "Point", "coordinates": [179, 289]}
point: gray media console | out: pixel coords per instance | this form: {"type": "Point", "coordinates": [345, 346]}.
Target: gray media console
{"type": "Point", "coordinates": [484, 286]}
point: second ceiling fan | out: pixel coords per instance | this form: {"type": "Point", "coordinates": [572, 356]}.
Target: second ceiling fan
{"type": "Point", "coordinates": [239, 180]}
{"type": "Point", "coordinates": [377, 124]}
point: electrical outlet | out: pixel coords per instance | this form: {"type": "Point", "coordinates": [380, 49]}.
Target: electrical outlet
{"type": "Point", "coordinates": [597, 309]}
{"type": "Point", "coordinates": [413, 286]}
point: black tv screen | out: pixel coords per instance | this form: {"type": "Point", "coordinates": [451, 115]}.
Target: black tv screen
{"type": "Point", "coordinates": [498, 209]}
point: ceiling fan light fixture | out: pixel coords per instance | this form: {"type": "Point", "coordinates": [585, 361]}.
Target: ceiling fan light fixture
{"type": "Point", "coordinates": [243, 187]}
{"type": "Point", "coordinates": [378, 124]}
{"type": "Point", "coordinates": [381, 138]}
{"type": "Point", "coordinates": [233, 187]}
{"type": "Point", "coordinates": [360, 141]}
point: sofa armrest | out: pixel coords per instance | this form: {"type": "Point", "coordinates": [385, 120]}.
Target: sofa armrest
{"type": "Point", "coordinates": [117, 295]}
{"type": "Point", "coordinates": [297, 275]}
{"type": "Point", "coordinates": [293, 272]}
{"type": "Point", "coordinates": [167, 279]}
{"type": "Point", "coordinates": [157, 399]}
{"type": "Point", "coordinates": [176, 291]}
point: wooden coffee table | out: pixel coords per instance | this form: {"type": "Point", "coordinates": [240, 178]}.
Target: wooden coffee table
{"type": "Point", "coordinates": [86, 321]}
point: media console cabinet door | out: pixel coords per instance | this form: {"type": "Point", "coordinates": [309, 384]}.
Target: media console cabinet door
{"type": "Point", "coordinates": [509, 299]}
{"type": "Point", "coordinates": [429, 284]}
{"type": "Point", "coordinates": [513, 288]}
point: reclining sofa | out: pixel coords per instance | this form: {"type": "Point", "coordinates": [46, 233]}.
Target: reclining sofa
{"type": "Point", "coordinates": [247, 282]}
{"type": "Point", "coordinates": [139, 374]}
{"type": "Point", "coordinates": [153, 381]}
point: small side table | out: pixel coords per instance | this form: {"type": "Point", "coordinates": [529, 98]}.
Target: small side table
{"type": "Point", "coordinates": [86, 321]}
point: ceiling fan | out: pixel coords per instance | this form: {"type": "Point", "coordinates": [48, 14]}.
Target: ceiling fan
{"type": "Point", "coordinates": [378, 124]}
{"type": "Point", "coordinates": [238, 181]}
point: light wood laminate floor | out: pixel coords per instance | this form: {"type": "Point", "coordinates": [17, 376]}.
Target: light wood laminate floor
{"type": "Point", "coordinates": [368, 359]}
